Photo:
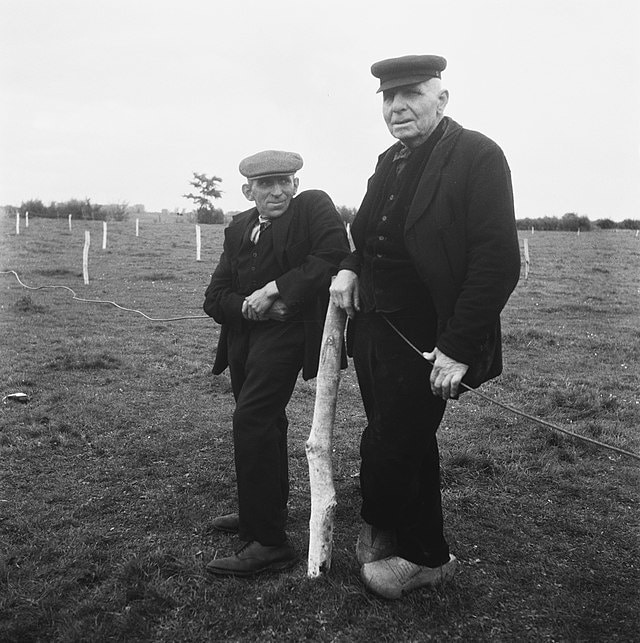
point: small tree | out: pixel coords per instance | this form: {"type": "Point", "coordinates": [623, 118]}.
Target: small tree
{"type": "Point", "coordinates": [207, 190]}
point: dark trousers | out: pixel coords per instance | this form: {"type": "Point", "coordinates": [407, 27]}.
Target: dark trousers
{"type": "Point", "coordinates": [400, 469]}
{"type": "Point", "coordinates": [264, 359]}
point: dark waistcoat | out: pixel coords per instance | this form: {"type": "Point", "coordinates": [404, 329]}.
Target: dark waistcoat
{"type": "Point", "coordinates": [257, 264]}
{"type": "Point", "coordinates": [389, 280]}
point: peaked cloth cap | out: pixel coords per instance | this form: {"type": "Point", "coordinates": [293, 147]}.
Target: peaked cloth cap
{"type": "Point", "coordinates": [270, 163]}
{"type": "Point", "coordinates": [407, 70]}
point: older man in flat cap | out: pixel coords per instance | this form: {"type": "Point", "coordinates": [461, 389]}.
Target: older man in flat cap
{"type": "Point", "coordinates": [436, 258]}
{"type": "Point", "coordinates": [270, 291]}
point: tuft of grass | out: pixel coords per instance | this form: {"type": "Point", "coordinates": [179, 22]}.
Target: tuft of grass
{"type": "Point", "coordinates": [82, 362]}
{"type": "Point", "coordinates": [25, 304]}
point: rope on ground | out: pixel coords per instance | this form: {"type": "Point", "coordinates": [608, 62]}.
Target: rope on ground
{"type": "Point", "coordinates": [102, 301]}
{"type": "Point", "coordinates": [507, 407]}
{"type": "Point", "coordinates": [516, 411]}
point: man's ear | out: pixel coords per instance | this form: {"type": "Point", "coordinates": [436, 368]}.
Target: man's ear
{"type": "Point", "coordinates": [246, 190]}
{"type": "Point", "coordinates": [443, 99]}
{"type": "Point", "coordinates": [296, 183]}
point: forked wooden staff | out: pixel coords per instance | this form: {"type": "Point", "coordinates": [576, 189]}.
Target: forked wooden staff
{"type": "Point", "coordinates": [318, 446]}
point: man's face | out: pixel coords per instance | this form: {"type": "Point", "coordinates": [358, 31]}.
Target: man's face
{"type": "Point", "coordinates": [412, 112]}
{"type": "Point", "coordinates": [271, 194]}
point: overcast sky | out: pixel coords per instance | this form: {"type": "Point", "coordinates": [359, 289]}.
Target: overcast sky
{"type": "Point", "coordinates": [122, 100]}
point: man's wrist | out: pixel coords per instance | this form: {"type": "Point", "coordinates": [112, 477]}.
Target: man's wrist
{"type": "Point", "coordinates": [272, 290]}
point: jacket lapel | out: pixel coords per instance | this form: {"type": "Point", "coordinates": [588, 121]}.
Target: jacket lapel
{"type": "Point", "coordinates": [280, 231]}
{"type": "Point", "coordinates": [372, 195]}
{"type": "Point", "coordinates": [236, 233]}
{"type": "Point", "coordinates": [430, 180]}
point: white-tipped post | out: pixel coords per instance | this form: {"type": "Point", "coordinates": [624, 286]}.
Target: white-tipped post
{"type": "Point", "coordinates": [104, 235]}
{"type": "Point", "coordinates": [85, 257]}
{"type": "Point", "coordinates": [17, 221]}
{"type": "Point", "coordinates": [198, 242]}
{"type": "Point", "coordinates": [137, 227]}
{"type": "Point", "coordinates": [69, 223]}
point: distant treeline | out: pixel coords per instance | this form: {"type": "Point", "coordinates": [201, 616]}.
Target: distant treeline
{"type": "Point", "coordinates": [571, 222]}
{"type": "Point", "coordinates": [77, 208]}
{"type": "Point", "coordinates": [84, 209]}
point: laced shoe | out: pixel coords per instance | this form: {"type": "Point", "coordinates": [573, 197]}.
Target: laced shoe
{"type": "Point", "coordinates": [394, 576]}
{"type": "Point", "coordinates": [374, 544]}
{"type": "Point", "coordinates": [254, 558]}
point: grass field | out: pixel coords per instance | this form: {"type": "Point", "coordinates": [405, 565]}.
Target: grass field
{"type": "Point", "coordinates": [111, 473]}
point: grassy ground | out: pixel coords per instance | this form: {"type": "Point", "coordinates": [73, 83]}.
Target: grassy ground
{"type": "Point", "coordinates": [111, 473]}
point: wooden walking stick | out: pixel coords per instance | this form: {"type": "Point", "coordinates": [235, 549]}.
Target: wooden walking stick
{"type": "Point", "coordinates": [318, 446]}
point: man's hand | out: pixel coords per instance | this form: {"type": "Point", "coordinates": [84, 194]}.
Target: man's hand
{"type": "Point", "coordinates": [278, 311]}
{"type": "Point", "coordinates": [344, 292]}
{"type": "Point", "coordinates": [256, 305]}
{"type": "Point", "coordinates": [446, 374]}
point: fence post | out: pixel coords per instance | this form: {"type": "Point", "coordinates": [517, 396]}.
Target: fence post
{"type": "Point", "coordinates": [85, 257]}
{"type": "Point", "coordinates": [137, 227]}
{"type": "Point", "coordinates": [104, 235]}
{"type": "Point", "coordinates": [526, 258]}
{"type": "Point", "coordinates": [26, 219]}
{"type": "Point", "coordinates": [198, 242]}
{"type": "Point", "coordinates": [69, 223]}
{"type": "Point", "coordinates": [17, 221]}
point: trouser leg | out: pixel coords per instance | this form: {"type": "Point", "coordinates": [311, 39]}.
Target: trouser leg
{"type": "Point", "coordinates": [265, 363]}
{"type": "Point", "coordinates": [399, 474]}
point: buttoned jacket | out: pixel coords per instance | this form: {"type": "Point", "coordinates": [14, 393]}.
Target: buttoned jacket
{"type": "Point", "coordinates": [461, 236]}
{"type": "Point", "coordinates": [309, 242]}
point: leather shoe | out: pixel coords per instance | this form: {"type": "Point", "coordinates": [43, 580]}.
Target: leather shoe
{"type": "Point", "coordinates": [229, 523]}
{"type": "Point", "coordinates": [254, 558]}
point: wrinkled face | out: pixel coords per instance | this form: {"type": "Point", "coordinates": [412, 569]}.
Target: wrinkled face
{"type": "Point", "coordinates": [271, 194]}
{"type": "Point", "coordinates": [412, 112]}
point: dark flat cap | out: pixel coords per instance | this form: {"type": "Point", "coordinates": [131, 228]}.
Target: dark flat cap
{"type": "Point", "coordinates": [407, 70]}
{"type": "Point", "coordinates": [270, 163]}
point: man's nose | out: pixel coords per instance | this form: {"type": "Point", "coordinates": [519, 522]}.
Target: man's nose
{"type": "Point", "coordinates": [398, 103]}
{"type": "Point", "coordinates": [276, 189]}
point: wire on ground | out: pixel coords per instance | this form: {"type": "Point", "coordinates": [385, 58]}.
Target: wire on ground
{"type": "Point", "coordinates": [473, 391]}
{"type": "Point", "coordinates": [508, 407]}
{"type": "Point", "coordinates": [102, 301]}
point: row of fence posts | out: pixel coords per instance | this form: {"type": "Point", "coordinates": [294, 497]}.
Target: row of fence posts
{"type": "Point", "coordinates": [87, 241]}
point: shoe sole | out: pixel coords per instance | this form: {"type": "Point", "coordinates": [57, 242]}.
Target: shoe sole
{"type": "Point", "coordinates": [279, 566]}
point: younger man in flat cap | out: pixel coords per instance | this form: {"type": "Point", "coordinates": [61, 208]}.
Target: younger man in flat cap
{"type": "Point", "coordinates": [270, 291]}
{"type": "Point", "coordinates": [437, 256]}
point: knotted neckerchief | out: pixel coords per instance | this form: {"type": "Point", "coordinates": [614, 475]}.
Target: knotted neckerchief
{"type": "Point", "coordinates": [261, 225]}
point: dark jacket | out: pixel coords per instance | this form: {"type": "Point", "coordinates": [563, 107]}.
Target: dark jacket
{"type": "Point", "coordinates": [460, 233]}
{"type": "Point", "coordinates": [309, 242]}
